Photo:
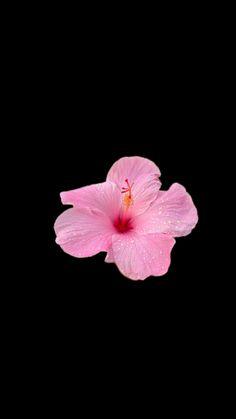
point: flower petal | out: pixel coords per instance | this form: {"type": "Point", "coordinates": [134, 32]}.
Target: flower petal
{"type": "Point", "coordinates": [139, 256]}
{"type": "Point", "coordinates": [82, 232]}
{"type": "Point", "coordinates": [144, 192]}
{"type": "Point", "coordinates": [131, 168]}
{"type": "Point", "coordinates": [173, 212]}
{"type": "Point", "coordinates": [105, 197]}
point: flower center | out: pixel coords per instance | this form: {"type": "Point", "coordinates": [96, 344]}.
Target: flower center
{"type": "Point", "coordinates": [127, 199]}
{"type": "Point", "coordinates": [123, 225]}
{"type": "Point", "coordinates": [123, 222]}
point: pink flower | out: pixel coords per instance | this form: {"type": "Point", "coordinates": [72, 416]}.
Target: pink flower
{"type": "Point", "coordinates": [128, 217]}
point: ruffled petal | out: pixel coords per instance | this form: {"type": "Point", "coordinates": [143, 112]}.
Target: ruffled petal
{"type": "Point", "coordinates": [105, 197]}
{"type": "Point", "coordinates": [131, 168]}
{"type": "Point", "coordinates": [82, 232]}
{"type": "Point", "coordinates": [139, 256]}
{"type": "Point", "coordinates": [144, 192]}
{"type": "Point", "coordinates": [173, 213]}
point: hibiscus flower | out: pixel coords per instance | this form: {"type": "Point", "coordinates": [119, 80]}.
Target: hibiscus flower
{"type": "Point", "coordinates": [127, 216]}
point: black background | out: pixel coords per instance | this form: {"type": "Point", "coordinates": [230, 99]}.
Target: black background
{"type": "Point", "coordinates": [85, 88]}
{"type": "Point", "coordinates": [89, 95]}
{"type": "Point", "coordinates": [86, 159]}
{"type": "Point", "coordinates": [100, 99]}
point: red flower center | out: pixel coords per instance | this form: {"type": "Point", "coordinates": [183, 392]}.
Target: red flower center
{"type": "Point", "coordinates": [123, 224]}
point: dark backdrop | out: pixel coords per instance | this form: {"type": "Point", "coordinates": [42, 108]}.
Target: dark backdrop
{"type": "Point", "coordinates": [85, 151]}
{"type": "Point", "coordinates": [100, 103]}
{"type": "Point", "coordinates": [88, 90]}
{"type": "Point", "coordinates": [94, 98]}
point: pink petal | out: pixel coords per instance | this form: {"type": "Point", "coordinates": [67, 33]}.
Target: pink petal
{"type": "Point", "coordinates": [105, 197]}
{"type": "Point", "coordinates": [144, 191]}
{"type": "Point", "coordinates": [173, 212]}
{"type": "Point", "coordinates": [131, 168]}
{"type": "Point", "coordinates": [82, 232]}
{"type": "Point", "coordinates": [139, 256]}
